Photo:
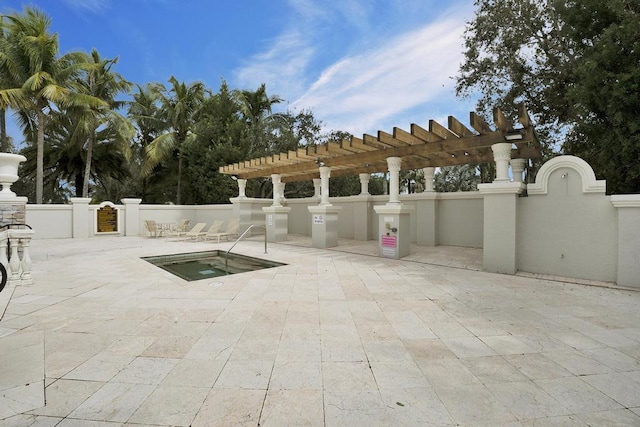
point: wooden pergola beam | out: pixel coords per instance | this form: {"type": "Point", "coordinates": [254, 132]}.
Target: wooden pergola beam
{"type": "Point", "coordinates": [523, 116]}
{"type": "Point", "coordinates": [390, 140]}
{"type": "Point", "coordinates": [449, 146]}
{"type": "Point", "coordinates": [501, 121]}
{"type": "Point", "coordinates": [458, 128]}
{"type": "Point", "coordinates": [406, 137]}
{"type": "Point", "coordinates": [359, 144]}
{"type": "Point", "coordinates": [438, 146]}
{"type": "Point", "coordinates": [423, 134]}
{"type": "Point", "coordinates": [441, 131]}
{"type": "Point", "coordinates": [381, 166]}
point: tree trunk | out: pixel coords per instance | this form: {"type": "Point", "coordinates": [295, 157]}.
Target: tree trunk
{"type": "Point", "coordinates": [178, 198]}
{"type": "Point", "coordinates": [4, 142]}
{"type": "Point", "coordinates": [87, 166]}
{"type": "Point", "coordinates": [78, 184]}
{"type": "Point", "coordinates": [40, 156]}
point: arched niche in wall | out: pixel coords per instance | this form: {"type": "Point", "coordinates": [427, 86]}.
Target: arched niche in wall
{"type": "Point", "coordinates": [589, 182]}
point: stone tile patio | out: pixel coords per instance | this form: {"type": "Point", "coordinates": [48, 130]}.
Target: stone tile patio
{"type": "Point", "coordinates": [334, 338]}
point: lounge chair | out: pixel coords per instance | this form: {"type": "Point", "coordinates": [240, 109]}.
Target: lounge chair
{"type": "Point", "coordinates": [178, 230]}
{"type": "Point", "coordinates": [214, 229]}
{"type": "Point", "coordinates": [231, 230]}
{"type": "Point", "coordinates": [183, 226]}
{"type": "Point", "coordinates": [152, 228]}
{"type": "Point", "coordinates": [191, 234]}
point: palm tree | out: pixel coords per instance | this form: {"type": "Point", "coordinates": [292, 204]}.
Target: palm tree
{"type": "Point", "coordinates": [41, 76]}
{"type": "Point", "coordinates": [256, 107]}
{"type": "Point", "coordinates": [98, 81]}
{"type": "Point", "coordinates": [5, 83]}
{"type": "Point", "coordinates": [180, 107]}
{"type": "Point", "coordinates": [65, 160]}
{"type": "Point", "coordinates": [144, 113]}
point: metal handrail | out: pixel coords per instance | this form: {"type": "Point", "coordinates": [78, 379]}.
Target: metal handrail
{"type": "Point", "coordinates": [226, 257]}
{"type": "Point", "coordinates": [8, 226]}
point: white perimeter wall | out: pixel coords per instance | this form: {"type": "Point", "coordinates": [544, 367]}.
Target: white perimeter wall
{"type": "Point", "coordinates": [566, 231]}
{"type": "Point", "coordinates": [566, 226]}
{"type": "Point", "coordinates": [459, 217]}
{"type": "Point", "coordinates": [56, 221]}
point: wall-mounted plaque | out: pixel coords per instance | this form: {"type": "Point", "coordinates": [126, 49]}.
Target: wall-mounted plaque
{"type": "Point", "coordinates": [107, 218]}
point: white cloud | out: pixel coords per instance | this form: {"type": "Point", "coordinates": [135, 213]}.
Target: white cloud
{"type": "Point", "coordinates": [282, 66]}
{"type": "Point", "coordinates": [286, 64]}
{"type": "Point", "coordinates": [387, 80]}
{"type": "Point", "coordinates": [94, 6]}
{"type": "Point", "coordinates": [360, 91]}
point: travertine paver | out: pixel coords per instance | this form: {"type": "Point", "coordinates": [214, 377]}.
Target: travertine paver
{"type": "Point", "coordinates": [334, 338]}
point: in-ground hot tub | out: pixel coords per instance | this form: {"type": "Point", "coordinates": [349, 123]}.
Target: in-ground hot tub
{"type": "Point", "coordinates": [204, 265]}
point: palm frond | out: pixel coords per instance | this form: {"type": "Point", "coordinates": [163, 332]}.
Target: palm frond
{"type": "Point", "coordinates": [160, 148]}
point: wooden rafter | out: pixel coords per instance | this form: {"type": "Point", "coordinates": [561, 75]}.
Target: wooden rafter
{"type": "Point", "coordinates": [418, 147]}
{"type": "Point", "coordinates": [479, 124]}
{"type": "Point", "coordinates": [501, 121]}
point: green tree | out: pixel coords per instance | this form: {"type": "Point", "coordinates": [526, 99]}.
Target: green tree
{"type": "Point", "coordinates": [100, 82]}
{"type": "Point", "coordinates": [256, 108]}
{"type": "Point", "coordinates": [43, 77]}
{"type": "Point", "coordinates": [65, 160]}
{"type": "Point", "coordinates": [180, 106]}
{"type": "Point", "coordinates": [575, 65]}
{"type": "Point", "coordinates": [412, 181]}
{"type": "Point", "coordinates": [221, 139]}
{"type": "Point", "coordinates": [5, 83]}
{"type": "Point", "coordinates": [456, 178]}
{"type": "Point", "coordinates": [144, 113]}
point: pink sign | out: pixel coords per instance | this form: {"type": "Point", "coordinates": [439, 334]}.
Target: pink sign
{"type": "Point", "coordinates": [389, 241]}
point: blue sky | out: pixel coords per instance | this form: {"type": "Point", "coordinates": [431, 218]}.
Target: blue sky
{"type": "Point", "coordinates": [360, 65]}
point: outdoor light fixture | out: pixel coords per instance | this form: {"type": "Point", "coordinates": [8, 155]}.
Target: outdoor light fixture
{"type": "Point", "coordinates": [319, 162]}
{"type": "Point", "coordinates": [513, 135]}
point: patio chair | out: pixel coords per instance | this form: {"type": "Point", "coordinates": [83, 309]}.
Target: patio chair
{"type": "Point", "coordinates": [183, 226]}
{"type": "Point", "coordinates": [178, 230]}
{"type": "Point", "coordinates": [191, 234]}
{"type": "Point", "coordinates": [231, 230]}
{"type": "Point", "coordinates": [214, 229]}
{"type": "Point", "coordinates": [152, 228]}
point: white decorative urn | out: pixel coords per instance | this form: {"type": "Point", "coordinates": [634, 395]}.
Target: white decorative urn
{"type": "Point", "coordinates": [9, 173]}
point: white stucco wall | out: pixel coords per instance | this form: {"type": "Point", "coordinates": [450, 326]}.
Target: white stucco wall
{"type": "Point", "coordinates": [50, 221]}
{"type": "Point", "coordinates": [346, 219]}
{"type": "Point", "coordinates": [460, 219]}
{"type": "Point", "coordinates": [567, 231]}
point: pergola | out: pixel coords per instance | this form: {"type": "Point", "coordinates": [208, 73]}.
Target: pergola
{"type": "Point", "coordinates": [418, 148]}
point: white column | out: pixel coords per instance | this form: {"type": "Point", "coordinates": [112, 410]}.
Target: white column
{"type": "Point", "coordinates": [502, 156]}
{"type": "Point", "coordinates": [275, 179]}
{"type": "Point", "coordinates": [80, 216]}
{"type": "Point", "coordinates": [364, 184]}
{"type": "Point", "coordinates": [25, 277]}
{"type": "Point", "coordinates": [628, 269]}
{"type": "Point", "coordinates": [517, 168]}
{"type": "Point", "coordinates": [281, 191]}
{"type": "Point", "coordinates": [316, 187]}
{"type": "Point", "coordinates": [131, 216]}
{"type": "Point", "coordinates": [14, 260]}
{"type": "Point", "coordinates": [393, 163]}
{"type": "Point", "coordinates": [242, 187]}
{"type": "Point", "coordinates": [325, 174]}
{"type": "Point", "coordinates": [429, 174]}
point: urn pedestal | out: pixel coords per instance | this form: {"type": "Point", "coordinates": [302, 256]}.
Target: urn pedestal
{"type": "Point", "coordinates": [9, 173]}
